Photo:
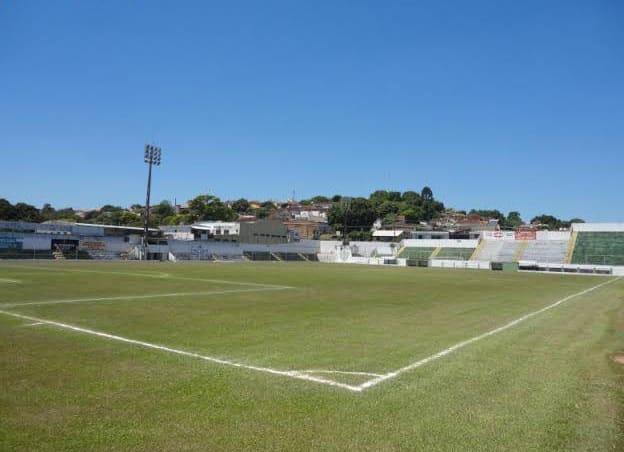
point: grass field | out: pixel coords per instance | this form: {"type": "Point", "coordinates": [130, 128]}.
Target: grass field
{"type": "Point", "coordinates": [307, 356]}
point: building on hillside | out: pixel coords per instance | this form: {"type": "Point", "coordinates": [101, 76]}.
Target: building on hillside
{"type": "Point", "coordinates": [263, 231]}
{"type": "Point", "coordinates": [384, 235]}
{"type": "Point", "coordinates": [178, 232]}
{"type": "Point", "coordinates": [306, 229]}
{"type": "Point", "coordinates": [220, 231]}
{"type": "Point", "coordinates": [427, 235]}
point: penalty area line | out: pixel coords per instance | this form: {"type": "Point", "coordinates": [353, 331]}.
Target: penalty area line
{"type": "Point", "coordinates": [161, 276]}
{"type": "Point", "coordinates": [460, 345]}
{"type": "Point", "coordinates": [141, 297]}
{"type": "Point", "coordinates": [268, 370]}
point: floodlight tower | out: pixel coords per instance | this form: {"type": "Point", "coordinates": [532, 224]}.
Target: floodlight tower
{"type": "Point", "coordinates": [152, 157]}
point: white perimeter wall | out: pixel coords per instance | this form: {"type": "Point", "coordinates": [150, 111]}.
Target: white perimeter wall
{"type": "Point", "coordinates": [598, 227]}
{"type": "Point", "coordinates": [36, 242]}
{"type": "Point", "coordinates": [511, 235]}
{"type": "Point", "coordinates": [443, 243]}
{"type": "Point", "coordinates": [233, 248]}
{"type": "Point", "coordinates": [553, 235]}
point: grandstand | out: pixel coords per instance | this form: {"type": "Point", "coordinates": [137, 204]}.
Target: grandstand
{"type": "Point", "coordinates": [416, 253]}
{"type": "Point", "coordinates": [600, 248]}
{"type": "Point", "coordinates": [551, 251]}
{"type": "Point", "coordinates": [454, 253]}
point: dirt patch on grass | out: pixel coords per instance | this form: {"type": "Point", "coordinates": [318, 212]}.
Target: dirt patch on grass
{"type": "Point", "coordinates": [618, 358]}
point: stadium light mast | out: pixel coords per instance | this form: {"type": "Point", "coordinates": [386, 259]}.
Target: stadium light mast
{"type": "Point", "coordinates": [152, 157]}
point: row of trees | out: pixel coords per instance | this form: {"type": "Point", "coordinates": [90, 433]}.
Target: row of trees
{"type": "Point", "coordinates": [353, 215]}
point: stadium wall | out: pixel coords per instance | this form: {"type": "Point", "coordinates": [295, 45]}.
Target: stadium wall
{"type": "Point", "coordinates": [598, 227]}
{"type": "Point", "coordinates": [440, 243]}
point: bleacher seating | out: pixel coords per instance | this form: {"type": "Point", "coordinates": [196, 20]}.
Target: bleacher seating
{"type": "Point", "coordinates": [290, 257]}
{"type": "Point", "coordinates": [462, 254]}
{"type": "Point", "coordinates": [508, 251]}
{"type": "Point", "coordinates": [104, 255]}
{"type": "Point", "coordinates": [498, 250]}
{"type": "Point", "coordinates": [546, 251]}
{"type": "Point", "coordinates": [259, 256]}
{"type": "Point", "coordinates": [416, 253]}
{"type": "Point", "coordinates": [489, 250]}
{"type": "Point", "coordinates": [599, 248]}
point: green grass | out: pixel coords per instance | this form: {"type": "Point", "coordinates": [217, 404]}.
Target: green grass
{"type": "Point", "coordinates": [546, 384]}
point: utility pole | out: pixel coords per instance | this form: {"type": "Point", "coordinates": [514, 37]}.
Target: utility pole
{"type": "Point", "coordinates": [152, 157]}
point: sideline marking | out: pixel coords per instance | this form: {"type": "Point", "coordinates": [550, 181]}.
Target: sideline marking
{"type": "Point", "coordinates": [459, 345]}
{"type": "Point", "coordinates": [140, 297]}
{"type": "Point", "coordinates": [285, 373]}
{"type": "Point", "coordinates": [10, 281]}
{"type": "Point", "coordinates": [34, 324]}
{"type": "Point", "coordinates": [152, 275]}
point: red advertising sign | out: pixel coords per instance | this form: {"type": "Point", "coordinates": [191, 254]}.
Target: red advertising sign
{"type": "Point", "coordinates": [526, 234]}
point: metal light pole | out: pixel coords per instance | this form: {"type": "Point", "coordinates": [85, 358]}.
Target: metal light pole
{"type": "Point", "coordinates": [346, 207]}
{"type": "Point", "coordinates": [152, 157]}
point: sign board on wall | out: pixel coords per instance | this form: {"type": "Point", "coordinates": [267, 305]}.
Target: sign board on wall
{"type": "Point", "coordinates": [92, 245]}
{"type": "Point", "coordinates": [11, 243]}
{"type": "Point", "coordinates": [526, 234]}
{"type": "Point", "coordinates": [498, 235]}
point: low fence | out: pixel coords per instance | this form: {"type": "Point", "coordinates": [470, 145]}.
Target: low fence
{"type": "Point", "coordinates": [451, 263]}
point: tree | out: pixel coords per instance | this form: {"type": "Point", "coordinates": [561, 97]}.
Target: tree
{"type": "Point", "coordinates": [354, 213]}
{"type": "Point", "coordinates": [26, 212]}
{"type": "Point", "coordinates": [162, 210]}
{"type": "Point", "coordinates": [413, 214]}
{"type": "Point", "coordinates": [412, 198]}
{"type": "Point", "coordinates": [7, 210]}
{"type": "Point", "coordinates": [577, 220]}
{"type": "Point", "coordinates": [388, 208]}
{"type": "Point", "coordinates": [379, 196]}
{"type": "Point", "coordinates": [513, 220]}
{"type": "Point", "coordinates": [550, 221]}
{"type": "Point", "coordinates": [426, 194]}
{"type": "Point", "coordinates": [240, 205]}
{"type": "Point", "coordinates": [336, 198]}
{"type": "Point", "coordinates": [210, 208]}
{"type": "Point", "coordinates": [47, 212]}
{"type": "Point", "coordinates": [319, 199]}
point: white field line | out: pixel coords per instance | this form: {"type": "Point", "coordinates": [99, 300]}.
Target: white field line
{"type": "Point", "coordinates": [9, 281]}
{"type": "Point", "coordinates": [341, 372]}
{"type": "Point", "coordinates": [152, 275]}
{"type": "Point", "coordinates": [141, 297]}
{"type": "Point", "coordinates": [34, 324]}
{"type": "Point", "coordinates": [454, 348]}
{"type": "Point", "coordinates": [285, 373]}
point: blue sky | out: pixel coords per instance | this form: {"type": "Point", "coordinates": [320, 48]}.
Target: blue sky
{"type": "Point", "coordinates": [501, 104]}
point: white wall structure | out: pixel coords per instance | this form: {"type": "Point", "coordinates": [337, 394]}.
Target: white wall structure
{"type": "Point", "coordinates": [447, 263]}
{"type": "Point", "coordinates": [374, 249]}
{"type": "Point", "coordinates": [553, 235]}
{"type": "Point", "coordinates": [440, 243]}
{"type": "Point", "coordinates": [498, 235]}
{"type": "Point", "coordinates": [598, 227]}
